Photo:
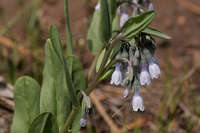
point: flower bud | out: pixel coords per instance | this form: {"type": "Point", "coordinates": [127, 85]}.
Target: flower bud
{"type": "Point", "coordinates": [125, 93]}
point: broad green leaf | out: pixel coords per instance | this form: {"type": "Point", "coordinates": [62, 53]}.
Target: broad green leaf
{"type": "Point", "coordinates": [155, 32]}
{"type": "Point", "coordinates": [44, 123]}
{"type": "Point", "coordinates": [76, 72]}
{"type": "Point", "coordinates": [55, 94]}
{"type": "Point", "coordinates": [68, 30]}
{"type": "Point", "coordinates": [137, 24]}
{"type": "Point", "coordinates": [94, 41]}
{"type": "Point", "coordinates": [105, 27]}
{"type": "Point", "coordinates": [27, 101]}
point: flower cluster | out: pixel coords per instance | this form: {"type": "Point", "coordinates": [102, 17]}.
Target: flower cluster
{"type": "Point", "coordinates": [136, 66]}
{"type": "Point", "coordinates": [136, 61]}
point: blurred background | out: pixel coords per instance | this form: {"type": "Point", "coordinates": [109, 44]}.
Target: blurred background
{"type": "Point", "coordinates": [172, 102]}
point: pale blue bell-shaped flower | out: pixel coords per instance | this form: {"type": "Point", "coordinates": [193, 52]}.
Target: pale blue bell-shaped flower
{"type": "Point", "coordinates": [124, 17]}
{"type": "Point", "coordinates": [154, 68]}
{"type": "Point", "coordinates": [144, 76]}
{"type": "Point", "coordinates": [116, 76]}
{"type": "Point", "coordinates": [137, 102]}
{"type": "Point", "coordinates": [83, 122]}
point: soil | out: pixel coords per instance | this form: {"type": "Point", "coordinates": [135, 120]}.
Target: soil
{"type": "Point", "coordinates": [177, 57]}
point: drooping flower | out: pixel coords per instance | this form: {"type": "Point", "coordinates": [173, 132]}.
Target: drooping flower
{"type": "Point", "coordinates": [124, 17]}
{"type": "Point", "coordinates": [116, 75]}
{"type": "Point", "coordinates": [144, 76]}
{"type": "Point", "coordinates": [154, 68]}
{"type": "Point", "coordinates": [83, 122]}
{"type": "Point", "coordinates": [125, 93]}
{"type": "Point", "coordinates": [137, 102]}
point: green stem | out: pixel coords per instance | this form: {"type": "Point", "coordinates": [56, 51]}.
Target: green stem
{"type": "Point", "coordinates": [93, 66]}
{"type": "Point", "coordinates": [69, 120]}
{"type": "Point", "coordinates": [104, 61]}
{"type": "Point", "coordinates": [95, 81]}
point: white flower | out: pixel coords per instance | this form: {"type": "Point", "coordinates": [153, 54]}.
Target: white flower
{"type": "Point", "coordinates": [150, 6]}
{"type": "Point", "coordinates": [83, 122]}
{"type": "Point", "coordinates": [154, 70]}
{"type": "Point", "coordinates": [125, 93]}
{"type": "Point", "coordinates": [124, 17]}
{"type": "Point", "coordinates": [137, 102]}
{"type": "Point", "coordinates": [145, 77]}
{"type": "Point", "coordinates": [116, 76]}
{"type": "Point", "coordinates": [97, 7]}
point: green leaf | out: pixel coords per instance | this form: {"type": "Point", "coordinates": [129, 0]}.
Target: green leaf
{"type": "Point", "coordinates": [105, 27]}
{"type": "Point", "coordinates": [107, 74]}
{"type": "Point", "coordinates": [155, 32]}
{"type": "Point", "coordinates": [94, 41]}
{"type": "Point", "coordinates": [76, 72]}
{"type": "Point", "coordinates": [68, 30]}
{"type": "Point", "coordinates": [27, 100]}
{"type": "Point", "coordinates": [55, 96]}
{"type": "Point", "coordinates": [58, 49]}
{"type": "Point", "coordinates": [100, 59]}
{"type": "Point", "coordinates": [44, 123]}
{"type": "Point", "coordinates": [137, 24]}
{"type": "Point", "coordinates": [112, 6]}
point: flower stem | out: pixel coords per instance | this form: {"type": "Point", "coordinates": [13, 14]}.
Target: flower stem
{"type": "Point", "coordinates": [69, 120]}
{"type": "Point", "coordinates": [95, 82]}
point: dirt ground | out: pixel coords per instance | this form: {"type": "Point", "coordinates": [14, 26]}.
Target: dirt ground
{"type": "Point", "coordinates": [172, 102]}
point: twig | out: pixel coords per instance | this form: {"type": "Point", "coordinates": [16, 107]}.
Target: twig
{"type": "Point", "coordinates": [189, 6]}
{"type": "Point", "coordinates": [103, 113]}
{"type": "Point", "coordinates": [7, 103]}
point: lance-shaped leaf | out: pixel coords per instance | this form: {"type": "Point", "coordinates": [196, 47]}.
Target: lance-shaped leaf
{"type": "Point", "coordinates": [56, 43]}
{"type": "Point", "coordinates": [155, 32]}
{"type": "Point", "coordinates": [105, 27]}
{"type": "Point", "coordinates": [94, 41]}
{"type": "Point", "coordinates": [27, 100]}
{"type": "Point", "coordinates": [137, 24]}
{"type": "Point", "coordinates": [68, 30]}
{"type": "Point", "coordinates": [44, 123]}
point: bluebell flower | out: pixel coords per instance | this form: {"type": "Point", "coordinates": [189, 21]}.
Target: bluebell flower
{"type": "Point", "coordinates": [137, 102]}
{"type": "Point", "coordinates": [154, 68]}
{"type": "Point", "coordinates": [144, 76]}
{"type": "Point", "coordinates": [116, 75]}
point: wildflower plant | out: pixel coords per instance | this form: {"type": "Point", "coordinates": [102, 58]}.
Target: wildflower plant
{"type": "Point", "coordinates": [121, 40]}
